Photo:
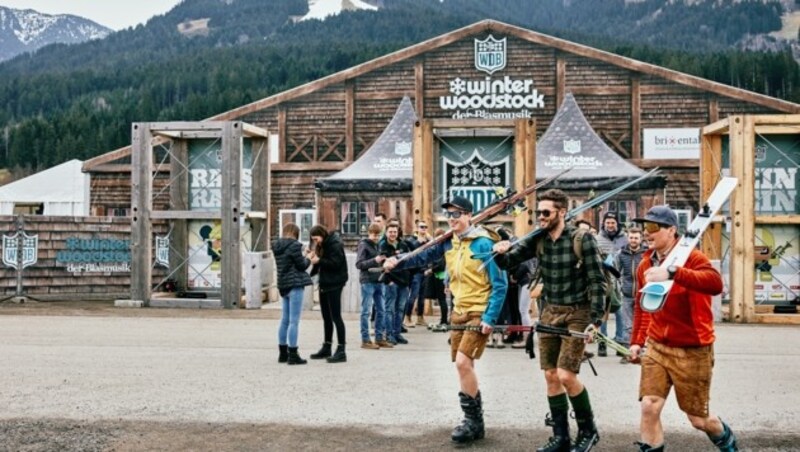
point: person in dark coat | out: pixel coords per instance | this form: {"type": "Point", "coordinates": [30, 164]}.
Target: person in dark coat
{"type": "Point", "coordinates": [395, 290]}
{"type": "Point", "coordinates": [435, 275]}
{"type": "Point", "coordinates": [331, 266]}
{"type": "Point", "coordinates": [368, 257]}
{"type": "Point", "coordinates": [292, 280]}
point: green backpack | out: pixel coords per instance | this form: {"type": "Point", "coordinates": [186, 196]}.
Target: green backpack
{"type": "Point", "coordinates": [613, 285]}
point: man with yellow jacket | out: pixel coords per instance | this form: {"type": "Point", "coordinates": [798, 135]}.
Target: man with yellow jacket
{"type": "Point", "coordinates": [478, 295]}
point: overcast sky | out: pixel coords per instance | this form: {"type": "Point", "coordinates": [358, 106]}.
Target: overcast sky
{"type": "Point", "coordinates": [113, 14]}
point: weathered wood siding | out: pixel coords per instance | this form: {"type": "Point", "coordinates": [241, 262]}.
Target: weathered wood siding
{"type": "Point", "coordinates": [321, 129]}
{"type": "Point", "coordinates": [49, 277]}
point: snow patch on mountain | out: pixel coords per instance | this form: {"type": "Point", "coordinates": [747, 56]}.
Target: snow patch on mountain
{"type": "Point", "coordinates": [321, 9]}
{"type": "Point", "coordinates": [25, 30]}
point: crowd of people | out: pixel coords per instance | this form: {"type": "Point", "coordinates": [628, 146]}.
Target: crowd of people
{"type": "Point", "coordinates": [482, 278]}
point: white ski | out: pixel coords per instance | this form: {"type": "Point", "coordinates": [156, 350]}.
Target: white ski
{"type": "Point", "coordinates": [654, 294]}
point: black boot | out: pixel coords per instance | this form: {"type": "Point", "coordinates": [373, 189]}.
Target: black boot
{"type": "Point", "coordinates": [601, 349]}
{"type": "Point", "coordinates": [587, 433]}
{"type": "Point", "coordinates": [340, 356]}
{"type": "Point", "coordinates": [644, 447]}
{"type": "Point", "coordinates": [283, 354]}
{"type": "Point", "coordinates": [324, 351]}
{"type": "Point", "coordinates": [294, 357]}
{"type": "Point", "coordinates": [471, 427]}
{"type": "Point", "coordinates": [560, 441]}
{"type": "Point", "coordinates": [726, 442]}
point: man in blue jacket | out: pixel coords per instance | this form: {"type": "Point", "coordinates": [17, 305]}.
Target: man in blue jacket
{"type": "Point", "coordinates": [478, 295]}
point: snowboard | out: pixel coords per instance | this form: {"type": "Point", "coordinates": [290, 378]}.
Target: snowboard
{"type": "Point", "coordinates": [654, 294]}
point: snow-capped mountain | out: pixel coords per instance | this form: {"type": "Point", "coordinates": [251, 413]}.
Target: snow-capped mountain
{"type": "Point", "coordinates": [320, 9]}
{"type": "Point", "coordinates": [25, 30]}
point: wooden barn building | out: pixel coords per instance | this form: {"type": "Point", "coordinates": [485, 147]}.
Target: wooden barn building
{"type": "Point", "coordinates": [482, 95]}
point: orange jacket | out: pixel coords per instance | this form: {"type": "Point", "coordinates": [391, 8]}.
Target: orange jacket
{"type": "Point", "coordinates": [686, 319]}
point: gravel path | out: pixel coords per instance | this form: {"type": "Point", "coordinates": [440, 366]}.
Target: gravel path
{"type": "Point", "coordinates": [88, 376]}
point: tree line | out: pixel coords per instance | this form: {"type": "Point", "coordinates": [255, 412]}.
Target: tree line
{"type": "Point", "coordinates": [78, 101]}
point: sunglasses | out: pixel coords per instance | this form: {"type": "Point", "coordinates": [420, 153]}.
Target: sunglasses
{"type": "Point", "coordinates": [455, 214]}
{"type": "Point", "coordinates": [543, 213]}
{"type": "Point", "coordinates": [422, 226]}
{"type": "Point", "coordinates": [652, 228]}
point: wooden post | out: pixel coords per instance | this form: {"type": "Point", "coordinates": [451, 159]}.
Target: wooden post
{"type": "Point", "coordinates": [561, 79]}
{"type": "Point", "coordinates": [422, 172]}
{"type": "Point", "coordinates": [636, 118]}
{"type": "Point", "coordinates": [710, 167]}
{"type": "Point", "coordinates": [524, 168]}
{"type": "Point", "coordinates": [530, 173]}
{"type": "Point", "coordinates": [141, 206]}
{"type": "Point", "coordinates": [741, 206]}
{"type": "Point", "coordinates": [282, 135]}
{"type": "Point", "coordinates": [748, 229]}
{"type": "Point", "coordinates": [231, 210]}
{"type": "Point", "coordinates": [179, 200]}
{"type": "Point", "coordinates": [419, 88]}
{"type": "Point", "coordinates": [428, 163]}
{"type": "Point", "coordinates": [416, 171]}
{"type": "Point", "coordinates": [349, 120]}
{"type": "Point", "coordinates": [261, 193]}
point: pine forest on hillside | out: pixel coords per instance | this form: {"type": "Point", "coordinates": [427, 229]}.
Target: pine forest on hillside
{"type": "Point", "coordinates": [78, 101]}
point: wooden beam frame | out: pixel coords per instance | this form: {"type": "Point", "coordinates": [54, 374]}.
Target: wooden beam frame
{"type": "Point", "coordinates": [230, 213]}
{"type": "Point", "coordinates": [742, 131]}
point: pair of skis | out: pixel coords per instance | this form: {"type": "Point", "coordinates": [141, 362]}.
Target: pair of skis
{"type": "Point", "coordinates": [596, 201]}
{"type": "Point", "coordinates": [512, 201]}
{"type": "Point", "coordinates": [654, 294]}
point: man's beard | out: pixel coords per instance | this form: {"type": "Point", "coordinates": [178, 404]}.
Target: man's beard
{"type": "Point", "coordinates": [551, 224]}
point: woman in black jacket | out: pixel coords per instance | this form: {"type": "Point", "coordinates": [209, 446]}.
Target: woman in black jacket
{"type": "Point", "coordinates": [331, 265]}
{"type": "Point", "coordinates": [292, 280]}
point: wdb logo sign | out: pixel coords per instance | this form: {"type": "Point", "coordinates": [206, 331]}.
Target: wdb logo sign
{"type": "Point", "coordinates": [490, 54]}
{"type": "Point", "coordinates": [29, 251]}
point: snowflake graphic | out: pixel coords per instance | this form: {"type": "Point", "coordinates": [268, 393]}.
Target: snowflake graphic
{"type": "Point", "coordinates": [496, 171]}
{"type": "Point", "coordinates": [496, 181]}
{"type": "Point", "coordinates": [454, 172]}
{"type": "Point", "coordinates": [458, 86]}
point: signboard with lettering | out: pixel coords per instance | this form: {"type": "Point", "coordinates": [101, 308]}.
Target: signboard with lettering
{"type": "Point", "coordinates": [475, 168]}
{"type": "Point", "coordinates": [777, 177]}
{"type": "Point", "coordinates": [205, 175]}
{"type": "Point", "coordinates": [102, 255]}
{"type": "Point", "coordinates": [776, 180]}
{"type": "Point", "coordinates": [487, 97]}
{"type": "Point", "coordinates": [671, 143]}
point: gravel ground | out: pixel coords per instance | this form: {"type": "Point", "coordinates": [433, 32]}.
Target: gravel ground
{"type": "Point", "coordinates": [90, 377]}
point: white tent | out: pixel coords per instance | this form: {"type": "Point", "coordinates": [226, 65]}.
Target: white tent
{"type": "Point", "coordinates": [61, 190]}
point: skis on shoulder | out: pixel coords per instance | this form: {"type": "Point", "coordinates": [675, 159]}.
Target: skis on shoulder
{"type": "Point", "coordinates": [654, 294]}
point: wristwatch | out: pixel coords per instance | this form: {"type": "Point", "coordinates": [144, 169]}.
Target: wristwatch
{"type": "Point", "coordinates": [672, 270]}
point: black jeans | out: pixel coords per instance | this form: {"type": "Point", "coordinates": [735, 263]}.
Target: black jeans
{"type": "Point", "coordinates": [330, 303]}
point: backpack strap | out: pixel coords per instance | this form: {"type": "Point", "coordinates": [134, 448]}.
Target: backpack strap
{"type": "Point", "coordinates": [577, 245]}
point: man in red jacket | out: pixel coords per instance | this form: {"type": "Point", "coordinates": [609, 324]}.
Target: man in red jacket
{"type": "Point", "coordinates": [679, 337]}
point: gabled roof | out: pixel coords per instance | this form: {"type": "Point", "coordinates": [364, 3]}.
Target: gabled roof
{"type": "Point", "coordinates": [61, 183]}
{"type": "Point", "coordinates": [387, 160]}
{"type": "Point", "coordinates": [570, 142]}
{"type": "Point", "coordinates": [478, 27]}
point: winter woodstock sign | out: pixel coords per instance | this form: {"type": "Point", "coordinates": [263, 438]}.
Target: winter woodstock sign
{"type": "Point", "coordinates": [489, 98]}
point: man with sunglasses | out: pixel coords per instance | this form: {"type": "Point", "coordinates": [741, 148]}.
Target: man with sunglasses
{"type": "Point", "coordinates": [573, 294]}
{"type": "Point", "coordinates": [679, 337]}
{"type": "Point", "coordinates": [478, 296]}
